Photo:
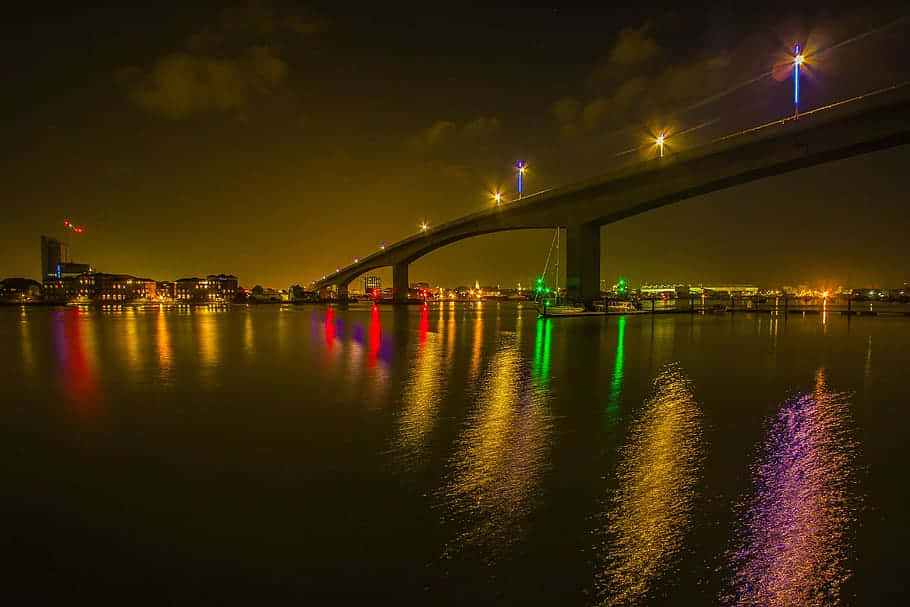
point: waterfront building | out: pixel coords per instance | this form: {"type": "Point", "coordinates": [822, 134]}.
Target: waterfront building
{"type": "Point", "coordinates": [72, 270]}
{"type": "Point", "coordinates": [462, 291]}
{"type": "Point", "coordinates": [658, 290]}
{"type": "Point", "coordinates": [56, 263]}
{"type": "Point", "coordinates": [20, 289]}
{"type": "Point", "coordinates": [100, 287]}
{"type": "Point", "coordinates": [53, 254]}
{"type": "Point", "coordinates": [371, 282]}
{"type": "Point", "coordinates": [212, 288]}
{"type": "Point", "coordinates": [299, 294]}
{"type": "Point", "coordinates": [120, 288]}
{"type": "Point", "coordinates": [222, 286]}
{"type": "Point", "coordinates": [166, 290]}
{"type": "Point", "coordinates": [744, 290]}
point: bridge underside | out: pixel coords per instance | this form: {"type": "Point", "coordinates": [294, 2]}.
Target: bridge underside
{"type": "Point", "coordinates": [583, 208]}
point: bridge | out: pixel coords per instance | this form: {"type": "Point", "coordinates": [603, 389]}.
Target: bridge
{"type": "Point", "coordinates": [841, 130]}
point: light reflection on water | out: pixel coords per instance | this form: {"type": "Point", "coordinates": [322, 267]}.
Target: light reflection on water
{"type": "Point", "coordinates": [477, 348]}
{"type": "Point", "coordinates": [651, 511]}
{"type": "Point", "coordinates": [499, 458]}
{"type": "Point", "coordinates": [477, 452]}
{"type": "Point", "coordinates": [132, 353]}
{"type": "Point", "coordinates": [165, 357]}
{"type": "Point", "coordinates": [77, 360]}
{"type": "Point", "coordinates": [423, 391]}
{"type": "Point", "coordinates": [618, 366]}
{"type": "Point", "coordinates": [792, 540]}
{"type": "Point", "coordinates": [25, 343]}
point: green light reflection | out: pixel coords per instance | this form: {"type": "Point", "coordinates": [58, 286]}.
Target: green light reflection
{"type": "Point", "coordinates": [542, 347]}
{"type": "Point", "coordinates": [618, 365]}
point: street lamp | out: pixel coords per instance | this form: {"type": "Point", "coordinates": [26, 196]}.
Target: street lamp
{"type": "Point", "coordinates": [660, 143]}
{"type": "Point", "coordinates": [497, 198]}
{"type": "Point", "coordinates": [382, 246]}
{"type": "Point", "coordinates": [797, 61]}
{"type": "Point", "coordinates": [522, 167]}
{"type": "Point", "coordinates": [424, 226]}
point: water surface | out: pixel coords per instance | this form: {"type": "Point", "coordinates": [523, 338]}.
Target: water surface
{"type": "Point", "coordinates": [456, 454]}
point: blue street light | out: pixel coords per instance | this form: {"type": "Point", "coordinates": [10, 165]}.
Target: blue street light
{"type": "Point", "coordinates": [522, 167]}
{"type": "Point", "coordinates": [797, 61]}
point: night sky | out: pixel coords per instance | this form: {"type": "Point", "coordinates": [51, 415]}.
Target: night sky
{"type": "Point", "coordinates": [277, 141]}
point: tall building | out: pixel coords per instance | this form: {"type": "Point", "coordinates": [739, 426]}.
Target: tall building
{"type": "Point", "coordinates": [53, 255]}
{"type": "Point", "coordinates": [371, 282]}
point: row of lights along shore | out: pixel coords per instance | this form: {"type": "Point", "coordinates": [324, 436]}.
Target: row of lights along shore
{"type": "Point", "coordinates": [522, 167]}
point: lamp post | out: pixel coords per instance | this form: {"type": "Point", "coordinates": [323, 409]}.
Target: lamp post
{"type": "Point", "coordinates": [797, 61]}
{"type": "Point", "coordinates": [660, 143]}
{"type": "Point", "coordinates": [522, 167]}
{"type": "Point", "coordinates": [497, 198]}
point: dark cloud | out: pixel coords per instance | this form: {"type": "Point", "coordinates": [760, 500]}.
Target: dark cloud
{"type": "Point", "coordinates": [479, 128]}
{"type": "Point", "coordinates": [642, 78]}
{"type": "Point", "coordinates": [566, 110]}
{"type": "Point", "coordinates": [182, 83]}
{"type": "Point", "coordinates": [224, 67]}
{"type": "Point", "coordinates": [262, 18]}
{"type": "Point", "coordinates": [634, 46]}
{"type": "Point", "coordinates": [445, 131]}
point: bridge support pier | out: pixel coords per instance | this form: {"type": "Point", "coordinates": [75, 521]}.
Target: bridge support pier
{"type": "Point", "coordinates": [583, 263]}
{"type": "Point", "coordinates": [400, 283]}
{"type": "Point", "coordinates": [341, 293]}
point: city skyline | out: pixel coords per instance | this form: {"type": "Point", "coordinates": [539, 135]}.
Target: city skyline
{"type": "Point", "coordinates": [280, 180]}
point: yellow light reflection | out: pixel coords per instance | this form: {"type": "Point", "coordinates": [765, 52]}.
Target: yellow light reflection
{"type": "Point", "coordinates": [25, 338]}
{"type": "Point", "coordinates": [450, 332]}
{"type": "Point", "coordinates": [477, 348]}
{"type": "Point", "coordinates": [207, 336]}
{"type": "Point", "coordinates": [163, 338]}
{"type": "Point", "coordinates": [249, 338]}
{"type": "Point", "coordinates": [651, 510]}
{"type": "Point", "coordinates": [132, 354]}
{"type": "Point", "coordinates": [499, 458]}
{"type": "Point", "coordinates": [423, 391]}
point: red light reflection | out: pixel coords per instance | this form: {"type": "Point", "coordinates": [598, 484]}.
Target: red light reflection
{"type": "Point", "coordinates": [375, 337]}
{"type": "Point", "coordinates": [330, 328]}
{"type": "Point", "coordinates": [424, 323]}
{"type": "Point", "coordinates": [76, 367]}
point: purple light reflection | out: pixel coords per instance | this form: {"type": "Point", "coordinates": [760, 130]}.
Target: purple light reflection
{"type": "Point", "coordinates": [792, 545]}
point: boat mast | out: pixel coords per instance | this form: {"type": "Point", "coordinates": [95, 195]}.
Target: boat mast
{"type": "Point", "coordinates": [557, 265]}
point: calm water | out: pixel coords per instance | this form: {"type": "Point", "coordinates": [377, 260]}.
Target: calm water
{"type": "Point", "coordinates": [457, 455]}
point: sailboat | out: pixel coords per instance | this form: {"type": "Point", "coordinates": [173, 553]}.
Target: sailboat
{"type": "Point", "coordinates": [545, 306]}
